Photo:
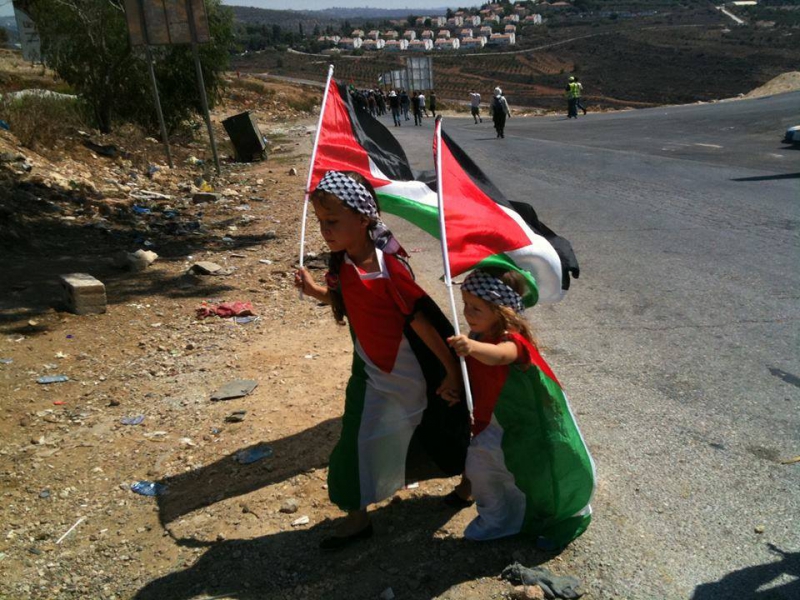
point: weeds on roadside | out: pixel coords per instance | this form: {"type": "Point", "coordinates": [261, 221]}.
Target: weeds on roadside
{"type": "Point", "coordinates": [303, 102]}
{"type": "Point", "coordinates": [41, 119]}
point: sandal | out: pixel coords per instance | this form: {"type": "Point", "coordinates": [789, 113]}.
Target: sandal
{"type": "Point", "coordinates": [453, 500]}
{"type": "Point", "coordinates": [336, 542]}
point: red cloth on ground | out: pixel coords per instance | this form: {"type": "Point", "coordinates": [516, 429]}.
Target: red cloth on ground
{"type": "Point", "coordinates": [225, 309]}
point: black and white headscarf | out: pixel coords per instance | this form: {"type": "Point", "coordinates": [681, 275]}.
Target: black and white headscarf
{"type": "Point", "coordinates": [349, 191]}
{"type": "Point", "coordinates": [491, 289]}
{"type": "Point", "coordinates": [357, 197]}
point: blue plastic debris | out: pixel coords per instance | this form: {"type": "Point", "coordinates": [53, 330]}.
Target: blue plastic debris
{"type": "Point", "coordinates": [148, 488]}
{"type": "Point", "coordinates": [5, 125]}
{"type": "Point", "coordinates": [251, 455]}
{"type": "Point", "coordinates": [135, 420]}
{"type": "Point", "coordinates": [140, 210]}
{"type": "Point", "coordinates": [52, 379]}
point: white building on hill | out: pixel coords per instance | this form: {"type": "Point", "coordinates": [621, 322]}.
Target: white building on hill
{"type": "Point", "coordinates": [373, 44]}
{"type": "Point", "coordinates": [445, 44]}
{"type": "Point", "coordinates": [396, 45]}
{"type": "Point", "coordinates": [420, 45]}
{"type": "Point", "coordinates": [350, 43]}
{"type": "Point", "coordinates": [473, 43]}
{"type": "Point", "coordinates": [503, 39]}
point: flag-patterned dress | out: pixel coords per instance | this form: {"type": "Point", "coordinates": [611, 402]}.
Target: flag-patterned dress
{"type": "Point", "coordinates": [388, 395]}
{"type": "Point", "coordinates": [530, 469]}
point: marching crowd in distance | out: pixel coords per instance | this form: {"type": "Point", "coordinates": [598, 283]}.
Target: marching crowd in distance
{"type": "Point", "coordinates": [399, 103]}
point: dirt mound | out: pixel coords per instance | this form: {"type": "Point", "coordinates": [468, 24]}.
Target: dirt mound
{"type": "Point", "coordinates": [786, 82]}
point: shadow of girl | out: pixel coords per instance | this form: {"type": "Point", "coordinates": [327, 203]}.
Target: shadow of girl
{"type": "Point", "coordinates": [412, 552]}
{"type": "Point", "coordinates": [226, 478]}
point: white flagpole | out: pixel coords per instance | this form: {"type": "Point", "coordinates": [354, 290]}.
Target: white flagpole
{"type": "Point", "coordinates": [446, 256]}
{"type": "Point", "coordinates": [311, 169]}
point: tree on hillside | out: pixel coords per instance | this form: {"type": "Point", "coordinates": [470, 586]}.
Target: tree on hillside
{"type": "Point", "coordinates": [86, 43]}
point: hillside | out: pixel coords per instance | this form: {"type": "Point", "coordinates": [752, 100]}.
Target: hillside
{"type": "Point", "coordinates": [683, 56]}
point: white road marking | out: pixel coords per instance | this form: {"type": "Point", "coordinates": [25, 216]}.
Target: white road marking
{"type": "Point", "coordinates": [708, 145]}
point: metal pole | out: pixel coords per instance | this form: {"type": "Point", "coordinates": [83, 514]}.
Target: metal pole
{"type": "Point", "coordinates": [201, 83]}
{"type": "Point", "coordinates": [154, 83]}
{"type": "Point", "coordinates": [164, 137]}
{"type": "Point", "coordinates": [448, 280]}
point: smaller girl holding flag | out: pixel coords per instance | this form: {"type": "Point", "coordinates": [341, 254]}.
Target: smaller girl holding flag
{"type": "Point", "coordinates": [528, 466]}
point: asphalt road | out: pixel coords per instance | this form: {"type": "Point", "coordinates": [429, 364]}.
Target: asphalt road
{"type": "Point", "coordinates": [678, 345]}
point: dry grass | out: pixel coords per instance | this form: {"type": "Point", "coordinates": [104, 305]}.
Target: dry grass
{"type": "Point", "coordinates": [40, 120]}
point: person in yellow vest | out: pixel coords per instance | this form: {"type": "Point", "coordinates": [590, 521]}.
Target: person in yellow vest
{"type": "Point", "coordinates": [572, 100]}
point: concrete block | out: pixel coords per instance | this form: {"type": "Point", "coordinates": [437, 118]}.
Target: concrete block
{"type": "Point", "coordinates": [83, 293]}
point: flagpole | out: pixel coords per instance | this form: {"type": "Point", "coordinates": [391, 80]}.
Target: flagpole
{"type": "Point", "coordinates": [448, 282]}
{"type": "Point", "coordinates": [311, 169]}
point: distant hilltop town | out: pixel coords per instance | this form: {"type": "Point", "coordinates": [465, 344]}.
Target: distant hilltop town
{"type": "Point", "coordinates": [463, 30]}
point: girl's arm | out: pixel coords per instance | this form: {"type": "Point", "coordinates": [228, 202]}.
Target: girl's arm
{"type": "Point", "coordinates": [304, 282]}
{"type": "Point", "coordinates": [452, 386]}
{"type": "Point", "coordinates": [493, 355]}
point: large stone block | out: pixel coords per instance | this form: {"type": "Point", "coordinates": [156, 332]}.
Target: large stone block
{"type": "Point", "coordinates": [83, 293]}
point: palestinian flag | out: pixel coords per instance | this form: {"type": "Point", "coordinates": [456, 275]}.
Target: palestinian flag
{"type": "Point", "coordinates": [483, 228]}
{"type": "Point", "coordinates": [530, 469]}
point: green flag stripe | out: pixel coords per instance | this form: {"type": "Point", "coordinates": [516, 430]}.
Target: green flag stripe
{"type": "Point", "coordinates": [533, 412]}
{"type": "Point", "coordinates": [423, 216]}
{"type": "Point", "coordinates": [344, 487]}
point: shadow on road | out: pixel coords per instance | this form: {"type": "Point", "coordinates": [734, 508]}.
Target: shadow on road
{"type": "Point", "coordinates": [746, 583]}
{"type": "Point", "coordinates": [769, 177]}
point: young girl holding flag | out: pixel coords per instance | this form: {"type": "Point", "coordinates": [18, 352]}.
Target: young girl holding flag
{"type": "Point", "coordinates": [398, 335]}
{"type": "Point", "coordinates": [528, 466]}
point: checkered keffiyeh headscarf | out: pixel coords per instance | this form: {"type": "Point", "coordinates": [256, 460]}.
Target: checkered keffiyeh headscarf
{"type": "Point", "coordinates": [357, 197]}
{"type": "Point", "coordinates": [491, 289]}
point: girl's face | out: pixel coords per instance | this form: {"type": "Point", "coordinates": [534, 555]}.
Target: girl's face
{"type": "Point", "coordinates": [479, 314]}
{"type": "Point", "coordinates": [342, 228]}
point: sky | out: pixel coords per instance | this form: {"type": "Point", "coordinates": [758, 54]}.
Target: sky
{"type": "Point", "coordinates": [7, 10]}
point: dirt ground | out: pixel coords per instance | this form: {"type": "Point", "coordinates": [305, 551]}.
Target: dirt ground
{"type": "Point", "coordinates": [71, 525]}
